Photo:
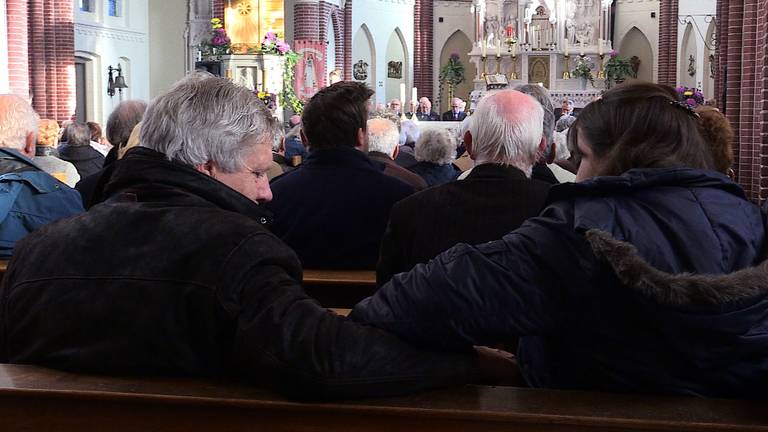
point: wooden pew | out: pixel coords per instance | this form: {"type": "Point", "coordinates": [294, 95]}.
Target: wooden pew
{"type": "Point", "coordinates": [33, 398]}
{"type": "Point", "coordinates": [339, 288]}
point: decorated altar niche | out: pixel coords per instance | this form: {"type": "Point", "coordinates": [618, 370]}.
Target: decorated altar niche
{"type": "Point", "coordinates": [542, 42]}
{"type": "Point", "coordinates": [248, 21]}
{"type": "Point", "coordinates": [260, 73]}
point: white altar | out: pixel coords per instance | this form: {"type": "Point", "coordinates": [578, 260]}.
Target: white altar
{"type": "Point", "coordinates": [540, 42]}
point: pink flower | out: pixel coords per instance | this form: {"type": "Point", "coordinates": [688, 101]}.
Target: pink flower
{"type": "Point", "coordinates": [270, 36]}
{"type": "Point", "coordinates": [613, 53]}
{"type": "Point", "coordinates": [691, 102]}
{"type": "Point", "coordinates": [282, 47]}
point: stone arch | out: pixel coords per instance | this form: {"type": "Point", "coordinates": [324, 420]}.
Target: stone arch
{"type": "Point", "coordinates": [91, 86]}
{"type": "Point", "coordinates": [330, 52]}
{"type": "Point", "coordinates": [338, 26]}
{"type": "Point", "coordinates": [397, 51]}
{"type": "Point", "coordinates": [636, 44]}
{"type": "Point", "coordinates": [708, 74]}
{"type": "Point", "coordinates": [457, 43]}
{"type": "Point", "coordinates": [364, 49]}
{"type": "Point", "coordinates": [687, 49]}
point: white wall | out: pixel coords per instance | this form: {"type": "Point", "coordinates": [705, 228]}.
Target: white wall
{"type": "Point", "coordinates": [111, 41]}
{"type": "Point", "coordinates": [698, 11]}
{"type": "Point", "coordinates": [392, 85]}
{"type": "Point", "coordinates": [168, 50]}
{"type": "Point", "coordinates": [637, 13]}
{"type": "Point", "coordinates": [456, 16]}
{"type": "Point", "coordinates": [382, 18]}
{"type": "Point", "coordinates": [4, 78]}
{"type": "Point", "coordinates": [362, 49]}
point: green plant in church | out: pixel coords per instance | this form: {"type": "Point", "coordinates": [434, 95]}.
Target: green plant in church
{"type": "Point", "coordinates": [451, 75]}
{"type": "Point", "coordinates": [289, 95]}
{"type": "Point", "coordinates": [617, 69]}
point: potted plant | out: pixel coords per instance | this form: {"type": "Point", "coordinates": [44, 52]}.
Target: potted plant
{"type": "Point", "coordinates": [583, 71]}
{"type": "Point", "coordinates": [617, 69]}
{"type": "Point", "coordinates": [451, 75]}
{"type": "Point", "coordinates": [692, 97]}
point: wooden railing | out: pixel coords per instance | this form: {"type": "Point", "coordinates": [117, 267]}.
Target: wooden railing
{"type": "Point", "coordinates": [339, 288]}
{"type": "Point", "coordinates": [37, 399]}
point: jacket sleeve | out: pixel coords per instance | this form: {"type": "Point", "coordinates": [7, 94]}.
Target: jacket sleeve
{"type": "Point", "coordinates": [286, 339]}
{"type": "Point", "coordinates": [480, 295]}
{"type": "Point", "coordinates": [393, 257]}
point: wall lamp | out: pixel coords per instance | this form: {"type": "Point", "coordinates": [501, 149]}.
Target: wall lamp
{"type": "Point", "coordinates": [117, 82]}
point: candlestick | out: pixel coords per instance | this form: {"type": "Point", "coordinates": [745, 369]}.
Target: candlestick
{"type": "Point", "coordinates": [498, 47]}
{"type": "Point", "coordinates": [600, 47]}
{"type": "Point", "coordinates": [402, 98]}
{"type": "Point", "coordinates": [565, 46]}
{"type": "Point", "coordinates": [483, 48]}
{"type": "Point", "coordinates": [581, 49]}
{"type": "Point", "coordinates": [413, 96]}
{"type": "Point", "coordinates": [567, 64]}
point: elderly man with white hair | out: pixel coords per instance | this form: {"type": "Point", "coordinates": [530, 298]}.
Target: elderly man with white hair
{"type": "Point", "coordinates": [424, 112]}
{"type": "Point", "coordinates": [29, 197]}
{"type": "Point", "coordinates": [456, 113]}
{"type": "Point", "coordinates": [503, 139]}
{"type": "Point", "coordinates": [435, 152]}
{"type": "Point", "coordinates": [383, 139]}
{"type": "Point", "coordinates": [176, 273]}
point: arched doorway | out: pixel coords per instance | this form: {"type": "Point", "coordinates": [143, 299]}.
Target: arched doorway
{"type": "Point", "coordinates": [688, 61]}
{"type": "Point", "coordinates": [364, 57]}
{"type": "Point", "coordinates": [636, 47]}
{"type": "Point", "coordinates": [457, 43]}
{"type": "Point", "coordinates": [397, 68]}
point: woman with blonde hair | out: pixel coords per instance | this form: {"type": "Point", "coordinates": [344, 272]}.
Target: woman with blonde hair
{"type": "Point", "coordinates": [46, 156]}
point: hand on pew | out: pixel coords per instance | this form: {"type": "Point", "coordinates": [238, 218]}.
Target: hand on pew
{"type": "Point", "coordinates": [498, 367]}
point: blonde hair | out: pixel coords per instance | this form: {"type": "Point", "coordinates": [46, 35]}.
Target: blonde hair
{"type": "Point", "coordinates": [47, 133]}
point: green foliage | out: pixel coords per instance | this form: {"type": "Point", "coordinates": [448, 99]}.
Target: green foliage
{"type": "Point", "coordinates": [583, 69]}
{"type": "Point", "coordinates": [289, 98]}
{"type": "Point", "coordinates": [451, 75]}
{"type": "Point", "coordinates": [617, 68]}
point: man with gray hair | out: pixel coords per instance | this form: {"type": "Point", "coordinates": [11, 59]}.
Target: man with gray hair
{"type": "Point", "coordinates": [176, 272]}
{"type": "Point", "coordinates": [503, 139]}
{"type": "Point", "coordinates": [29, 197]}
{"type": "Point", "coordinates": [383, 139]}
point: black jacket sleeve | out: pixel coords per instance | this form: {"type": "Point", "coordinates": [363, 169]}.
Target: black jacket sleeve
{"type": "Point", "coordinates": [288, 340]}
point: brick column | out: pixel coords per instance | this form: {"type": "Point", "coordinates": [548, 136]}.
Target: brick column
{"type": "Point", "coordinates": [217, 9]}
{"type": "Point", "coordinates": [306, 21]}
{"type": "Point", "coordinates": [423, 13]}
{"type": "Point", "coordinates": [668, 24]}
{"type": "Point", "coordinates": [348, 40]}
{"type": "Point", "coordinates": [18, 60]}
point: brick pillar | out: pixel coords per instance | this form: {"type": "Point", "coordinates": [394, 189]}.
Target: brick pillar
{"type": "Point", "coordinates": [217, 9]}
{"type": "Point", "coordinates": [423, 12]}
{"type": "Point", "coordinates": [348, 40]}
{"type": "Point", "coordinates": [668, 24]}
{"type": "Point", "coordinates": [339, 39]}
{"type": "Point", "coordinates": [306, 21]}
{"type": "Point", "coordinates": [64, 36]}
{"type": "Point", "coordinates": [18, 60]}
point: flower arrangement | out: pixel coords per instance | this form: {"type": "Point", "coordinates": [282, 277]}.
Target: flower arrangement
{"type": "Point", "coordinates": [219, 39]}
{"type": "Point", "coordinates": [273, 45]}
{"type": "Point", "coordinates": [617, 69]}
{"type": "Point", "coordinates": [692, 97]}
{"type": "Point", "coordinates": [451, 75]}
{"type": "Point", "coordinates": [584, 69]}
{"type": "Point", "coordinates": [269, 99]}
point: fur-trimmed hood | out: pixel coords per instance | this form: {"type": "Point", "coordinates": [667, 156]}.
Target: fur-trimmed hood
{"type": "Point", "coordinates": [703, 291]}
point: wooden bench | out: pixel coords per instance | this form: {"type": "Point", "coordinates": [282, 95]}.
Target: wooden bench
{"type": "Point", "coordinates": [339, 288]}
{"type": "Point", "coordinates": [33, 398]}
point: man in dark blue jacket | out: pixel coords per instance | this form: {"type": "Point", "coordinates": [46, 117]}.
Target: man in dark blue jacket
{"type": "Point", "coordinates": [334, 208]}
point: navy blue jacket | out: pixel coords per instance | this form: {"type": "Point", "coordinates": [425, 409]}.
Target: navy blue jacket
{"type": "Point", "coordinates": [608, 323]}
{"type": "Point", "coordinates": [333, 209]}
{"type": "Point", "coordinates": [435, 174]}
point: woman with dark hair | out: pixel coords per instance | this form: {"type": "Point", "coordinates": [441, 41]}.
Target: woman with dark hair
{"type": "Point", "coordinates": [717, 131]}
{"type": "Point", "coordinates": [639, 278]}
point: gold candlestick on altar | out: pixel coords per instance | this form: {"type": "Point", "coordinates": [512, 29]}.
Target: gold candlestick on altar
{"type": "Point", "coordinates": [513, 74]}
{"type": "Point", "coordinates": [483, 74]}
{"type": "Point", "coordinates": [601, 72]}
{"type": "Point", "coordinates": [567, 63]}
{"type": "Point", "coordinates": [498, 64]}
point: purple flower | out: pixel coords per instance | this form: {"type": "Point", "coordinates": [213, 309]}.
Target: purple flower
{"type": "Point", "coordinates": [270, 36]}
{"type": "Point", "coordinates": [282, 47]}
{"type": "Point", "coordinates": [613, 54]}
{"type": "Point", "coordinates": [455, 56]}
{"type": "Point", "coordinates": [691, 102]}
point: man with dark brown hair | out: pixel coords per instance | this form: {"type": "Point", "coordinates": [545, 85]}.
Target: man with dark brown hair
{"type": "Point", "coordinates": [333, 209]}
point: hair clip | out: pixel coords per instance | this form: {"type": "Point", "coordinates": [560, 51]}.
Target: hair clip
{"type": "Point", "coordinates": [686, 107]}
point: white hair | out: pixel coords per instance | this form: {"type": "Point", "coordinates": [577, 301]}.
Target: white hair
{"type": "Point", "coordinates": [507, 129]}
{"type": "Point", "coordinates": [383, 136]}
{"type": "Point", "coordinates": [561, 146]}
{"type": "Point", "coordinates": [409, 132]}
{"type": "Point", "coordinates": [278, 135]}
{"type": "Point", "coordinates": [17, 121]}
{"type": "Point", "coordinates": [205, 119]}
{"type": "Point", "coordinates": [436, 146]}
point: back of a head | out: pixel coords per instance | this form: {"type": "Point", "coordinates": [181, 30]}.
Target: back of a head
{"type": "Point", "coordinates": [640, 125]}
{"type": "Point", "coordinates": [564, 123]}
{"type": "Point", "coordinates": [48, 133]}
{"type": "Point", "coordinates": [122, 120]}
{"type": "Point", "coordinates": [409, 132]}
{"type": "Point", "coordinates": [78, 134]}
{"type": "Point", "coordinates": [506, 129]}
{"type": "Point", "coordinates": [383, 136]}
{"type": "Point", "coordinates": [335, 114]}
{"type": "Point", "coordinates": [204, 119]}
{"type": "Point", "coordinates": [278, 134]}
{"type": "Point", "coordinates": [435, 145]}
{"type": "Point", "coordinates": [542, 96]}
{"type": "Point", "coordinates": [95, 129]}
{"type": "Point", "coordinates": [718, 133]}
{"type": "Point", "coordinates": [17, 121]}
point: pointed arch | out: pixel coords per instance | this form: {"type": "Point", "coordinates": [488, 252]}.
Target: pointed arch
{"type": "Point", "coordinates": [363, 49]}
{"type": "Point", "coordinates": [457, 43]}
{"type": "Point", "coordinates": [708, 74]}
{"type": "Point", "coordinates": [397, 52]}
{"type": "Point", "coordinates": [636, 44]}
{"type": "Point", "coordinates": [688, 49]}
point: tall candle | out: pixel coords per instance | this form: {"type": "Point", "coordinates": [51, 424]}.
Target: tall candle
{"type": "Point", "coordinates": [514, 49]}
{"type": "Point", "coordinates": [498, 47]}
{"type": "Point", "coordinates": [565, 46]}
{"type": "Point", "coordinates": [483, 47]}
{"type": "Point", "coordinates": [581, 49]}
{"type": "Point", "coordinates": [402, 96]}
{"type": "Point", "coordinates": [413, 95]}
{"type": "Point", "coordinates": [600, 46]}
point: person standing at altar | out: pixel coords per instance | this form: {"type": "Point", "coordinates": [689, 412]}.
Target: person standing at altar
{"type": "Point", "coordinates": [456, 113]}
{"type": "Point", "coordinates": [425, 113]}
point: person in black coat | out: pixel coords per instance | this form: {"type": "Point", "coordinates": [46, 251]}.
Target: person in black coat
{"type": "Point", "coordinates": [79, 152]}
{"type": "Point", "coordinates": [456, 112]}
{"type": "Point", "coordinates": [435, 152]}
{"type": "Point", "coordinates": [177, 273]}
{"type": "Point", "coordinates": [333, 209]}
{"type": "Point", "coordinates": [493, 200]}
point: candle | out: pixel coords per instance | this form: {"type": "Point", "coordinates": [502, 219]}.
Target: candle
{"type": "Point", "coordinates": [514, 49]}
{"type": "Point", "coordinates": [402, 95]}
{"type": "Point", "coordinates": [498, 47]}
{"type": "Point", "coordinates": [581, 49]}
{"type": "Point", "coordinates": [483, 47]}
{"type": "Point", "coordinates": [565, 46]}
{"type": "Point", "coordinates": [600, 47]}
{"type": "Point", "coordinates": [414, 99]}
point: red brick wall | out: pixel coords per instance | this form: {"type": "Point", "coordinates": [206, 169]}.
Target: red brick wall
{"type": "Point", "coordinates": [218, 9]}
{"type": "Point", "coordinates": [668, 23]}
{"type": "Point", "coordinates": [51, 50]}
{"type": "Point", "coordinates": [743, 73]}
{"type": "Point", "coordinates": [18, 60]}
{"type": "Point", "coordinates": [310, 22]}
{"type": "Point", "coordinates": [423, 25]}
{"type": "Point", "coordinates": [348, 40]}
{"type": "Point", "coordinates": [306, 21]}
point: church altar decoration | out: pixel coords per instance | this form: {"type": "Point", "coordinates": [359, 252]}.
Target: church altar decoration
{"type": "Point", "coordinates": [583, 70]}
{"type": "Point", "coordinates": [219, 43]}
{"type": "Point", "coordinates": [616, 69]}
{"type": "Point", "coordinates": [273, 45]}
{"type": "Point", "coordinates": [290, 100]}
{"type": "Point", "coordinates": [310, 68]}
{"type": "Point", "coordinates": [692, 97]}
{"type": "Point", "coordinates": [451, 75]}
{"type": "Point", "coordinates": [269, 99]}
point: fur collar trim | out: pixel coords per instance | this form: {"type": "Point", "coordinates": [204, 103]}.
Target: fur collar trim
{"type": "Point", "coordinates": [685, 289]}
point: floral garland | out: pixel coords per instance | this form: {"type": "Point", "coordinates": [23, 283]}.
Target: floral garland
{"type": "Point", "coordinates": [692, 97]}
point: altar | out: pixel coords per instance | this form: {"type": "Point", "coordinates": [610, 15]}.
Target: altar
{"type": "Point", "coordinates": [542, 42]}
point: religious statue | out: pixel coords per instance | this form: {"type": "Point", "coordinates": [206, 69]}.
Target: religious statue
{"type": "Point", "coordinates": [246, 78]}
{"type": "Point", "coordinates": [360, 70]}
{"type": "Point", "coordinates": [395, 69]}
{"type": "Point", "coordinates": [711, 65]}
{"type": "Point", "coordinates": [309, 73]}
{"type": "Point", "coordinates": [691, 65]}
{"type": "Point", "coordinates": [635, 62]}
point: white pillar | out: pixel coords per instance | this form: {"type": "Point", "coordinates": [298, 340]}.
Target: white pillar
{"type": "Point", "coordinates": [4, 78]}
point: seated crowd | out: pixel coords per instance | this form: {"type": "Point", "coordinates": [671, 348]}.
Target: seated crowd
{"type": "Point", "coordinates": [608, 247]}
